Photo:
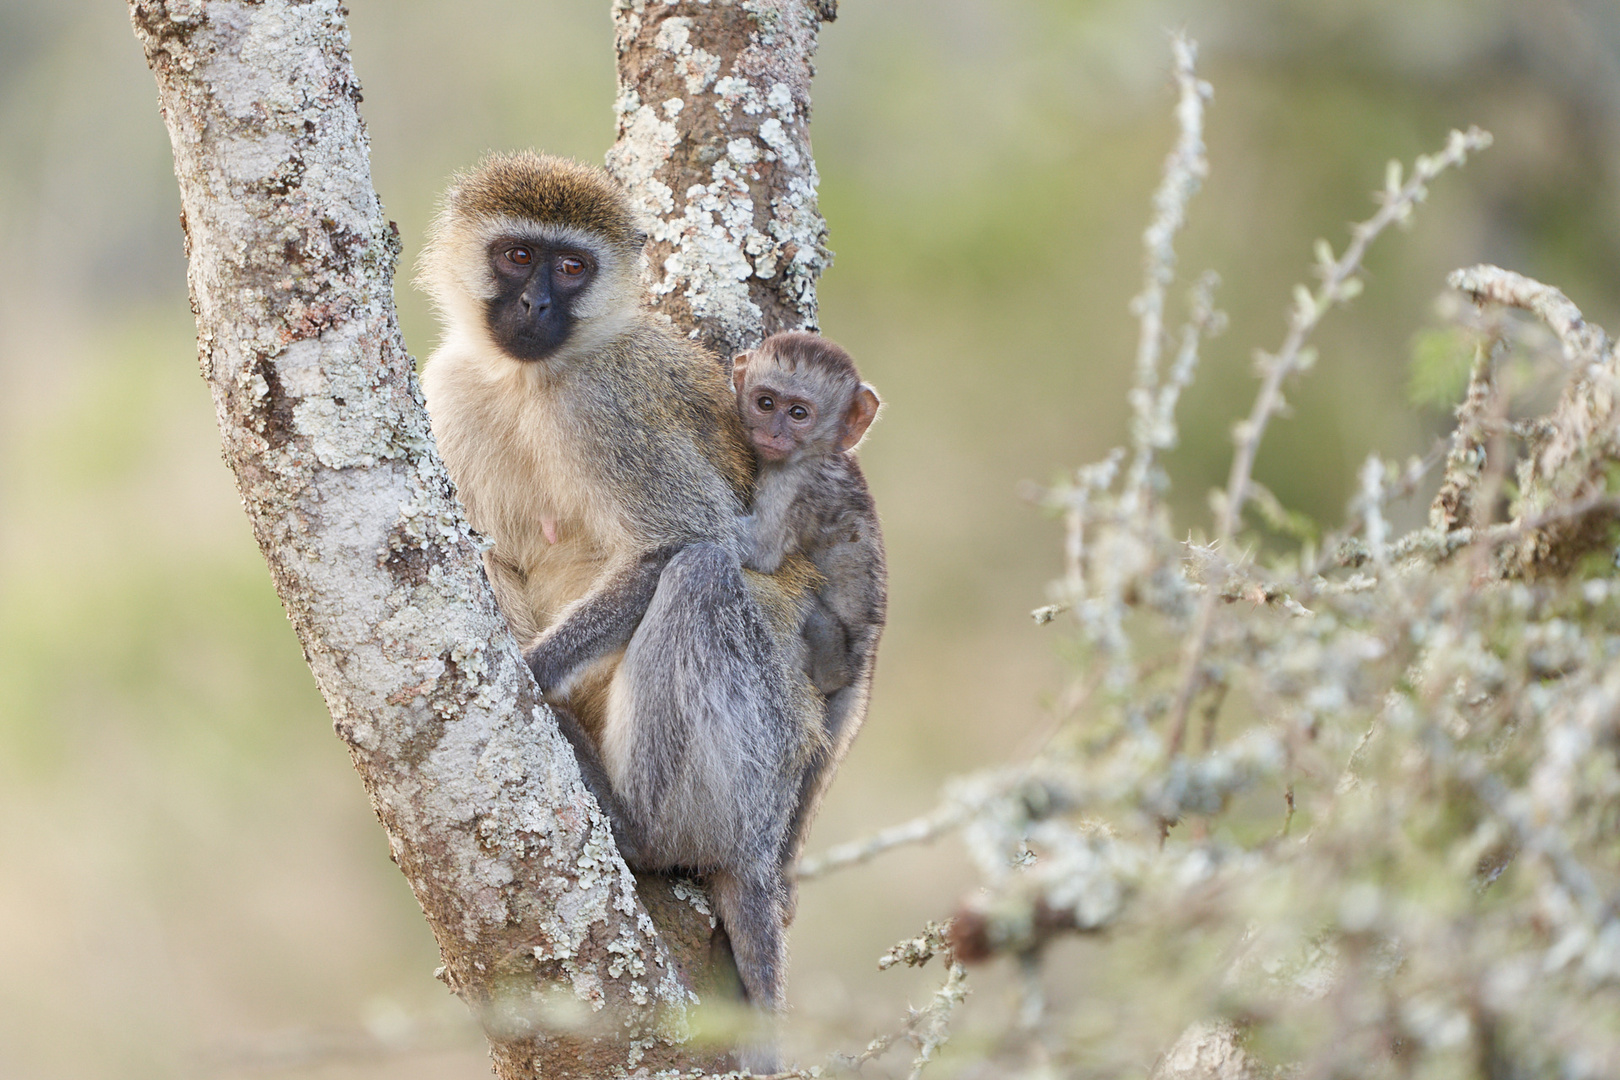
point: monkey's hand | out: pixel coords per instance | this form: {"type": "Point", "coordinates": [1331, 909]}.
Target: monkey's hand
{"type": "Point", "coordinates": [756, 555]}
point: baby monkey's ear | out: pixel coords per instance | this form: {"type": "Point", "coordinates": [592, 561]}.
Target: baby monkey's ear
{"type": "Point", "coordinates": [863, 409]}
{"type": "Point", "coordinates": [739, 369]}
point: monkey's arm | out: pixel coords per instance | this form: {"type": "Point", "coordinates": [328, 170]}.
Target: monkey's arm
{"type": "Point", "coordinates": [671, 499]}
{"type": "Point", "coordinates": [598, 622]}
{"type": "Point", "coordinates": [786, 512]}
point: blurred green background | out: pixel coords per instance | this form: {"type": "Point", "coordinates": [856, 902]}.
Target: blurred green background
{"type": "Point", "coordinates": [191, 880]}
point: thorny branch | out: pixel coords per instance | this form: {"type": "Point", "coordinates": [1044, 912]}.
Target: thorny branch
{"type": "Point", "coordinates": [1570, 452]}
{"type": "Point", "coordinates": [1583, 343]}
{"type": "Point", "coordinates": [1152, 403]}
{"type": "Point", "coordinates": [1339, 285]}
{"type": "Point", "coordinates": [1400, 859]}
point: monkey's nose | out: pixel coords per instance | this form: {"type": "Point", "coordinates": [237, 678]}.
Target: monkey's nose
{"type": "Point", "coordinates": [536, 299]}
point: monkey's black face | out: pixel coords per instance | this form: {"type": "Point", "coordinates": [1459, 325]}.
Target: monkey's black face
{"type": "Point", "coordinates": [532, 311]}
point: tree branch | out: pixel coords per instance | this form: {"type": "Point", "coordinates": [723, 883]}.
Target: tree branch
{"type": "Point", "coordinates": [714, 144]}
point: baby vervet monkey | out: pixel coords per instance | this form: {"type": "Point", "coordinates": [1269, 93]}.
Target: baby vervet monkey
{"type": "Point", "coordinates": [805, 408]}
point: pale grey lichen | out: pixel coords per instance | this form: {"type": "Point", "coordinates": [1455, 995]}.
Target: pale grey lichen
{"type": "Point", "coordinates": [698, 67]}
{"type": "Point", "coordinates": [773, 135]}
{"type": "Point", "coordinates": [647, 142]}
{"type": "Point", "coordinates": [696, 898]}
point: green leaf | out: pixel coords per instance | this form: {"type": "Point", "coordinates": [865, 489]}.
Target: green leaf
{"type": "Point", "coordinates": [1440, 363]}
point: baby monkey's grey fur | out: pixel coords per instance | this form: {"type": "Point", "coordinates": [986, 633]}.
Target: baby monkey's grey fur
{"type": "Point", "coordinates": [603, 455]}
{"type": "Point", "coordinates": [805, 409]}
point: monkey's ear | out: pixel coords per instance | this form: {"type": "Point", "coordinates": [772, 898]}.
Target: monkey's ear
{"type": "Point", "coordinates": [739, 369]}
{"type": "Point", "coordinates": [863, 409]}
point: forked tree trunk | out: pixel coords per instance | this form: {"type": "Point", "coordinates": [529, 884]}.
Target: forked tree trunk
{"type": "Point", "coordinates": [540, 925]}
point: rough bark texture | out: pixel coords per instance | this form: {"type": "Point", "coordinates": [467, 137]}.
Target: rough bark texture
{"type": "Point", "coordinates": [1208, 1051]}
{"type": "Point", "coordinates": [291, 264]}
{"type": "Point", "coordinates": [714, 144]}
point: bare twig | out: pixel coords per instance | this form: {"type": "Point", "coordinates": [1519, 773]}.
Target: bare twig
{"type": "Point", "coordinates": [1076, 499]}
{"type": "Point", "coordinates": [1184, 171]}
{"type": "Point", "coordinates": [1191, 657]}
{"type": "Point", "coordinates": [1583, 342]}
{"type": "Point", "coordinates": [951, 814]}
{"type": "Point", "coordinates": [1371, 503]}
{"type": "Point", "coordinates": [918, 830]}
{"type": "Point", "coordinates": [1592, 505]}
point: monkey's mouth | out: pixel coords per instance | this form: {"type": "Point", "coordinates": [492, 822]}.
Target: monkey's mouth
{"type": "Point", "coordinates": [770, 449]}
{"type": "Point", "coordinates": [531, 344]}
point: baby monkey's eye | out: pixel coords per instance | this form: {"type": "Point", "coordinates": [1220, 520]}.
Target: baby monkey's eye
{"type": "Point", "coordinates": [572, 265]}
{"type": "Point", "coordinates": [799, 412]}
{"type": "Point", "coordinates": [520, 255]}
{"type": "Point", "coordinates": [764, 403]}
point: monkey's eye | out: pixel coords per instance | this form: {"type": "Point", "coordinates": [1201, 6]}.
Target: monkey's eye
{"type": "Point", "coordinates": [522, 256]}
{"type": "Point", "coordinates": [571, 265]}
{"type": "Point", "coordinates": [765, 403]}
{"type": "Point", "coordinates": [799, 412]}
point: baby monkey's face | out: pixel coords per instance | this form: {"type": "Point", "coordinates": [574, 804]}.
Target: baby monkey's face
{"type": "Point", "coordinates": [783, 421]}
{"type": "Point", "coordinates": [799, 396]}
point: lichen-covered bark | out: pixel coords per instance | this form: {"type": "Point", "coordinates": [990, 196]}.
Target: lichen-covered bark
{"type": "Point", "coordinates": [291, 265]}
{"type": "Point", "coordinates": [1208, 1051]}
{"type": "Point", "coordinates": [714, 143]}
{"type": "Point", "coordinates": [1572, 453]}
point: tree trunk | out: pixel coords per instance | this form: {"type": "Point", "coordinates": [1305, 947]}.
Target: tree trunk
{"type": "Point", "coordinates": [291, 265]}
{"type": "Point", "coordinates": [714, 144]}
{"type": "Point", "coordinates": [539, 923]}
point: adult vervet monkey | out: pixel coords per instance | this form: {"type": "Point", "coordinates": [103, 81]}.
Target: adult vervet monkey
{"type": "Point", "coordinates": [604, 457]}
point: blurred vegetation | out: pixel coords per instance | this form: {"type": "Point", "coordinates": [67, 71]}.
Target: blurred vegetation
{"type": "Point", "coordinates": [190, 879]}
